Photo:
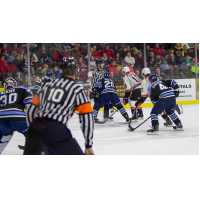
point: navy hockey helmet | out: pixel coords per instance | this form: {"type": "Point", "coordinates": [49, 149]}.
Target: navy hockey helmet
{"type": "Point", "coordinates": [153, 78]}
{"type": "Point", "coordinates": [49, 73]}
{"type": "Point", "coordinates": [107, 75]}
{"type": "Point", "coordinates": [9, 83]}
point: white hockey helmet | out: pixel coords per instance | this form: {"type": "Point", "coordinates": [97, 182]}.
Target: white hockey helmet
{"type": "Point", "coordinates": [90, 74]}
{"type": "Point", "coordinates": [9, 83]}
{"type": "Point", "coordinates": [125, 70]}
{"type": "Point", "coordinates": [146, 71]}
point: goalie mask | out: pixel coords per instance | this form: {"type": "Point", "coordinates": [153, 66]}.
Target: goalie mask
{"type": "Point", "coordinates": [9, 83]}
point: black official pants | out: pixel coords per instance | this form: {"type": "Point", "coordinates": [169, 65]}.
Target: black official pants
{"type": "Point", "coordinates": [51, 135]}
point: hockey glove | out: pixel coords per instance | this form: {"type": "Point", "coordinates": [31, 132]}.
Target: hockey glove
{"type": "Point", "coordinates": [91, 95]}
{"type": "Point", "coordinates": [137, 104]}
{"type": "Point", "coordinates": [125, 100]}
{"type": "Point", "coordinates": [176, 92]}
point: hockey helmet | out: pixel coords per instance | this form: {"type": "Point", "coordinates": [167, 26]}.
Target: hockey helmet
{"type": "Point", "coordinates": [146, 71]}
{"type": "Point", "coordinates": [9, 83]}
{"type": "Point", "coordinates": [68, 66]}
{"type": "Point", "coordinates": [107, 75]}
{"type": "Point", "coordinates": [153, 78]}
{"type": "Point", "coordinates": [126, 70]}
{"type": "Point", "coordinates": [90, 74]}
{"type": "Point", "coordinates": [100, 61]}
{"type": "Point", "coordinates": [49, 73]}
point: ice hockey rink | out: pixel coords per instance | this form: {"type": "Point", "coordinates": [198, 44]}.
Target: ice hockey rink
{"type": "Point", "coordinates": [114, 137]}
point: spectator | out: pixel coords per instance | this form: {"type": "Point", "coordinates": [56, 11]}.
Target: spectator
{"type": "Point", "coordinates": [178, 58]}
{"type": "Point", "coordinates": [92, 62]}
{"type": "Point", "coordinates": [37, 78]}
{"type": "Point", "coordinates": [169, 52]}
{"type": "Point", "coordinates": [18, 78]}
{"type": "Point", "coordinates": [139, 61]}
{"type": "Point", "coordinates": [17, 65]}
{"type": "Point", "coordinates": [32, 73]}
{"type": "Point", "coordinates": [148, 51]}
{"type": "Point", "coordinates": [43, 56]}
{"type": "Point", "coordinates": [157, 60]}
{"type": "Point", "coordinates": [54, 54]}
{"type": "Point", "coordinates": [100, 47]}
{"type": "Point", "coordinates": [187, 61]}
{"type": "Point", "coordinates": [66, 52]}
{"type": "Point", "coordinates": [22, 54]}
{"type": "Point", "coordinates": [82, 68]}
{"type": "Point", "coordinates": [193, 70]}
{"type": "Point", "coordinates": [185, 50]}
{"type": "Point", "coordinates": [11, 58]}
{"type": "Point", "coordinates": [108, 52]}
{"type": "Point", "coordinates": [177, 48]}
{"type": "Point", "coordinates": [158, 50]}
{"type": "Point", "coordinates": [25, 82]}
{"type": "Point", "coordinates": [112, 76]}
{"type": "Point", "coordinates": [96, 53]}
{"type": "Point", "coordinates": [113, 68]}
{"type": "Point", "coordinates": [151, 60]}
{"type": "Point", "coordinates": [76, 53]}
{"type": "Point", "coordinates": [4, 50]}
{"type": "Point", "coordinates": [46, 45]}
{"type": "Point", "coordinates": [3, 65]}
{"type": "Point", "coordinates": [137, 72]}
{"type": "Point", "coordinates": [119, 62]}
{"type": "Point", "coordinates": [129, 59]}
{"type": "Point", "coordinates": [120, 51]}
{"type": "Point", "coordinates": [185, 44]}
{"type": "Point", "coordinates": [134, 52]}
{"type": "Point", "coordinates": [173, 64]}
{"type": "Point", "coordinates": [130, 67]}
{"type": "Point", "coordinates": [15, 49]}
{"type": "Point", "coordinates": [56, 72]}
{"type": "Point", "coordinates": [44, 70]}
{"type": "Point", "coordinates": [91, 53]}
{"type": "Point", "coordinates": [166, 69]}
{"type": "Point", "coordinates": [106, 60]}
{"type": "Point", "coordinates": [33, 57]}
{"type": "Point", "coordinates": [159, 74]}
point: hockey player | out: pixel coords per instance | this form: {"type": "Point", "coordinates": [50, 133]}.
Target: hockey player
{"type": "Point", "coordinates": [106, 90]}
{"type": "Point", "coordinates": [49, 114]}
{"type": "Point", "coordinates": [13, 101]}
{"type": "Point", "coordinates": [163, 95]}
{"type": "Point", "coordinates": [42, 81]}
{"type": "Point", "coordinates": [144, 94]}
{"type": "Point", "coordinates": [132, 83]}
{"type": "Point", "coordinates": [96, 75]}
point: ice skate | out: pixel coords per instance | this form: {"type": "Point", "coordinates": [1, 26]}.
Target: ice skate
{"type": "Point", "coordinates": [178, 127]}
{"type": "Point", "coordinates": [153, 131]}
{"type": "Point", "coordinates": [168, 123]}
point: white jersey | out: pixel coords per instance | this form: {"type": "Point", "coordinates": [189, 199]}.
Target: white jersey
{"type": "Point", "coordinates": [145, 84]}
{"type": "Point", "coordinates": [131, 81]}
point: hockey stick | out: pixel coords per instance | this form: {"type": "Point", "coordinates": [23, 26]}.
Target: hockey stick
{"type": "Point", "coordinates": [132, 129]}
{"type": "Point", "coordinates": [102, 122]}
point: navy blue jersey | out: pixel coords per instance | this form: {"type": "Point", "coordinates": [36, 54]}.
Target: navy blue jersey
{"type": "Point", "coordinates": [162, 90]}
{"type": "Point", "coordinates": [13, 102]}
{"type": "Point", "coordinates": [34, 89]}
{"type": "Point", "coordinates": [104, 86]}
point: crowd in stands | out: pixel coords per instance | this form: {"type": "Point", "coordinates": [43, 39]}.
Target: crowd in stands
{"type": "Point", "coordinates": [168, 60]}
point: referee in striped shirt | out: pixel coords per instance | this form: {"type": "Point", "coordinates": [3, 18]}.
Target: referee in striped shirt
{"type": "Point", "coordinates": [49, 113]}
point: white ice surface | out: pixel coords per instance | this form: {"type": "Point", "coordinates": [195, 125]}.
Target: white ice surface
{"type": "Point", "coordinates": [114, 138]}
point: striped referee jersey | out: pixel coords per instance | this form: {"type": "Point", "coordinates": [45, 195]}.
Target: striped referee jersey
{"type": "Point", "coordinates": [58, 101]}
{"type": "Point", "coordinates": [96, 75]}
